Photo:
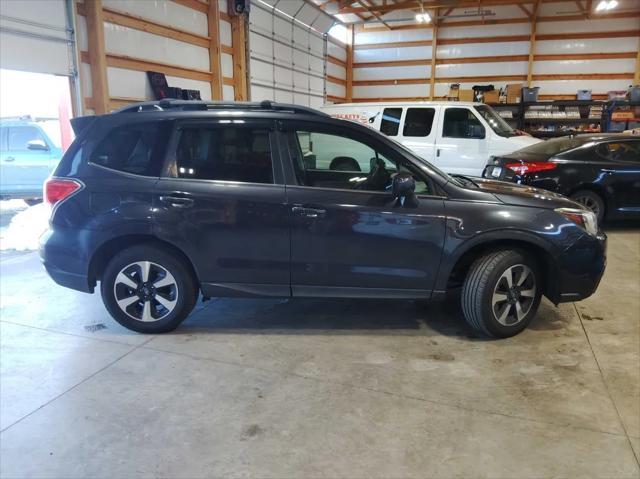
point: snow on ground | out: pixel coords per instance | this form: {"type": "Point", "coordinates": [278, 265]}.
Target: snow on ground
{"type": "Point", "coordinates": [26, 226]}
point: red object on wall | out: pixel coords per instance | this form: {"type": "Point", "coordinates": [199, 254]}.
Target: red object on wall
{"type": "Point", "coordinates": [64, 115]}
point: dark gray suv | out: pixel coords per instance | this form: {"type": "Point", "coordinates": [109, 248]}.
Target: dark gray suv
{"type": "Point", "coordinates": [163, 201]}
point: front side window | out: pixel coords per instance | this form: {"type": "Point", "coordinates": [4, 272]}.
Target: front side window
{"type": "Point", "coordinates": [495, 121]}
{"type": "Point", "coordinates": [135, 148]}
{"type": "Point", "coordinates": [462, 123]}
{"type": "Point", "coordinates": [18, 137]}
{"type": "Point", "coordinates": [232, 153]}
{"type": "Point", "coordinates": [327, 160]}
{"type": "Point", "coordinates": [390, 124]}
{"type": "Point", "coordinates": [418, 122]}
{"type": "Point", "coordinates": [626, 151]}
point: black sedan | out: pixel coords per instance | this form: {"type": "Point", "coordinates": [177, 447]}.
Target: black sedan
{"type": "Point", "coordinates": [601, 171]}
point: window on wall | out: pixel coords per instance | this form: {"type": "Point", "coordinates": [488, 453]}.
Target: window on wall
{"type": "Point", "coordinates": [232, 153]}
{"type": "Point", "coordinates": [462, 123]}
{"type": "Point", "coordinates": [418, 122]}
{"type": "Point", "coordinates": [390, 124]}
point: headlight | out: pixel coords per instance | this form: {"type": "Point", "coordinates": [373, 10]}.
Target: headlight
{"type": "Point", "coordinates": [583, 218]}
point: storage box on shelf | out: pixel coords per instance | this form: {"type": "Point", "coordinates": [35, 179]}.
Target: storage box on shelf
{"type": "Point", "coordinates": [559, 118]}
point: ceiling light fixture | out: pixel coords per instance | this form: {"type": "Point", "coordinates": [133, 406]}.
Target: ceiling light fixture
{"type": "Point", "coordinates": [605, 5]}
{"type": "Point", "coordinates": [422, 17]}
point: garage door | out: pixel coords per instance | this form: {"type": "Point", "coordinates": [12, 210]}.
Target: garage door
{"type": "Point", "coordinates": [35, 36]}
{"type": "Point", "coordinates": [287, 45]}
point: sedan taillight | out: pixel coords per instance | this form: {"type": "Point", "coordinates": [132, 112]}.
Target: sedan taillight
{"type": "Point", "coordinates": [57, 189]}
{"type": "Point", "coordinates": [530, 167]}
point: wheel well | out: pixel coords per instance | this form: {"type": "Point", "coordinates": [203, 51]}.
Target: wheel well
{"type": "Point", "coordinates": [543, 259]}
{"type": "Point", "coordinates": [107, 250]}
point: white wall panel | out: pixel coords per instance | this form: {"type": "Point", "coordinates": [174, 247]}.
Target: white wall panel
{"type": "Point", "coordinates": [585, 66]}
{"type": "Point", "coordinates": [600, 25]}
{"type": "Point", "coordinates": [338, 71]}
{"type": "Point", "coordinates": [81, 33]}
{"type": "Point", "coordinates": [485, 31]}
{"type": "Point", "coordinates": [392, 73]}
{"type": "Point", "coordinates": [163, 11]}
{"type": "Point", "coordinates": [334, 89]}
{"type": "Point", "coordinates": [390, 54]}
{"type": "Point", "coordinates": [225, 33]}
{"type": "Point", "coordinates": [587, 45]}
{"type": "Point", "coordinates": [483, 49]}
{"type": "Point", "coordinates": [85, 80]}
{"type": "Point", "coordinates": [337, 51]}
{"type": "Point", "coordinates": [481, 69]}
{"type": "Point", "coordinates": [138, 44]}
{"type": "Point", "coordinates": [226, 61]}
{"type": "Point", "coordinates": [390, 91]}
{"type": "Point", "coordinates": [393, 36]}
{"type": "Point", "coordinates": [228, 93]}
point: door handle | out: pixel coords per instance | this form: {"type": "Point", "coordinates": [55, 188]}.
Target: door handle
{"type": "Point", "coordinates": [309, 212]}
{"type": "Point", "coordinates": [9, 158]}
{"type": "Point", "coordinates": [438, 153]}
{"type": "Point", "coordinates": [177, 201]}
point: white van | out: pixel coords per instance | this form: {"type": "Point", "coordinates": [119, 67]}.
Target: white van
{"type": "Point", "coordinates": [457, 137]}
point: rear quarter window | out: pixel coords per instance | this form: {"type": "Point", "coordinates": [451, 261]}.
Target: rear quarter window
{"type": "Point", "coordinates": [133, 148]}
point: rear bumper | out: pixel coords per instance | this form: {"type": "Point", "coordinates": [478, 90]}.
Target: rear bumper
{"type": "Point", "coordinates": [65, 260]}
{"type": "Point", "coordinates": [581, 268]}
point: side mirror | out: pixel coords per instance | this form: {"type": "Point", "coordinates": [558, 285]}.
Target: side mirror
{"type": "Point", "coordinates": [403, 189]}
{"type": "Point", "coordinates": [37, 145]}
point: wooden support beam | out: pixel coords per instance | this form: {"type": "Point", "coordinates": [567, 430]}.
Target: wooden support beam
{"type": "Point", "coordinates": [350, 48]}
{"type": "Point", "coordinates": [532, 42]}
{"type": "Point", "coordinates": [336, 61]}
{"type": "Point", "coordinates": [97, 56]}
{"type": "Point", "coordinates": [239, 35]}
{"type": "Point", "coordinates": [372, 12]}
{"type": "Point", "coordinates": [434, 50]}
{"type": "Point", "coordinates": [194, 5]}
{"type": "Point", "coordinates": [215, 63]}
{"type": "Point", "coordinates": [636, 76]}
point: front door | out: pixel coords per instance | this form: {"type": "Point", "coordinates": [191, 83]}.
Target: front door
{"type": "Point", "coordinates": [25, 159]}
{"type": "Point", "coordinates": [622, 165]}
{"type": "Point", "coordinates": [461, 147]}
{"type": "Point", "coordinates": [418, 132]}
{"type": "Point", "coordinates": [222, 201]}
{"type": "Point", "coordinates": [349, 236]}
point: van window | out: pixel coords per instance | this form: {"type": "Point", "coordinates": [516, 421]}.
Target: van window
{"type": "Point", "coordinates": [233, 153]}
{"type": "Point", "coordinates": [391, 121]}
{"type": "Point", "coordinates": [418, 121]}
{"type": "Point", "coordinates": [462, 123]}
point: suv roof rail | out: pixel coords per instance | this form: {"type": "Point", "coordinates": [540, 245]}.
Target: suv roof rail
{"type": "Point", "coordinates": [198, 105]}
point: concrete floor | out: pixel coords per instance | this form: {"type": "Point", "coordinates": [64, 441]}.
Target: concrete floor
{"type": "Point", "coordinates": [319, 388]}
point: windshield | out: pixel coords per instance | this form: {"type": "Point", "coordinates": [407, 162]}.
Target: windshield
{"type": "Point", "coordinates": [495, 121]}
{"type": "Point", "coordinates": [428, 167]}
{"type": "Point", "coordinates": [553, 146]}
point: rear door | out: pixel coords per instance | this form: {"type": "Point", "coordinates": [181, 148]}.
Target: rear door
{"type": "Point", "coordinates": [462, 146]}
{"type": "Point", "coordinates": [622, 168]}
{"type": "Point", "coordinates": [418, 131]}
{"type": "Point", "coordinates": [26, 160]}
{"type": "Point", "coordinates": [222, 201]}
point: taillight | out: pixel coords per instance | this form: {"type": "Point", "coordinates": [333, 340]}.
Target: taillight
{"type": "Point", "coordinates": [57, 189]}
{"type": "Point", "coordinates": [532, 167]}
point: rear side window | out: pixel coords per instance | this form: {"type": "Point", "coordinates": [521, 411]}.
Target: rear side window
{"type": "Point", "coordinates": [462, 123]}
{"type": "Point", "coordinates": [391, 121]}
{"type": "Point", "coordinates": [418, 122]}
{"type": "Point", "coordinates": [228, 154]}
{"type": "Point", "coordinates": [18, 137]}
{"type": "Point", "coordinates": [135, 148]}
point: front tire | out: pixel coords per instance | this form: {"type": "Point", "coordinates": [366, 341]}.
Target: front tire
{"type": "Point", "coordinates": [148, 290]}
{"type": "Point", "coordinates": [501, 293]}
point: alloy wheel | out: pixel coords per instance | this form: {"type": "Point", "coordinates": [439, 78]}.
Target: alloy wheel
{"type": "Point", "coordinates": [145, 291]}
{"type": "Point", "coordinates": [588, 202]}
{"type": "Point", "coordinates": [514, 295]}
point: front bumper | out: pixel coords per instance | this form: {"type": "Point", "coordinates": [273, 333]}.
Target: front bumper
{"type": "Point", "coordinates": [581, 267]}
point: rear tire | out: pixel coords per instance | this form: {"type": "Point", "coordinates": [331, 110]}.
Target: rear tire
{"type": "Point", "coordinates": [591, 200]}
{"type": "Point", "coordinates": [501, 293]}
{"type": "Point", "coordinates": [148, 290]}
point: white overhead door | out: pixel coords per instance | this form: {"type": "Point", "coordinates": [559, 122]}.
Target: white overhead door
{"type": "Point", "coordinates": [288, 52]}
{"type": "Point", "coordinates": [35, 36]}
